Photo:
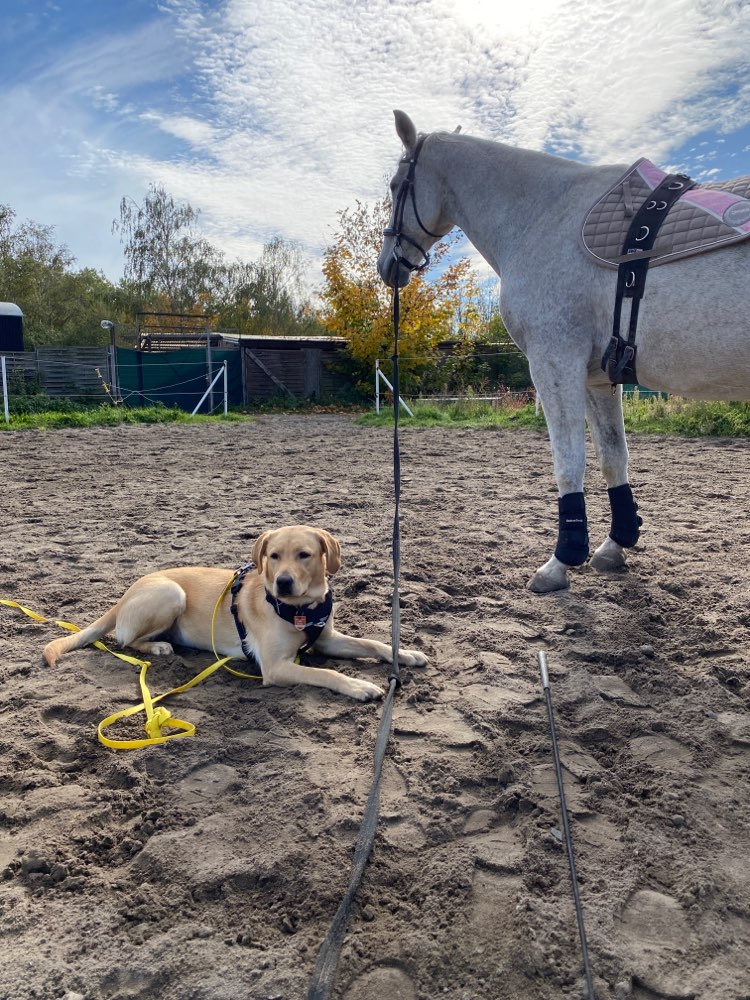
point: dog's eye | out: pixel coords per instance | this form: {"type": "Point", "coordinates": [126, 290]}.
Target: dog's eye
{"type": "Point", "coordinates": [274, 555]}
{"type": "Point", "coordinates": [304, 555]}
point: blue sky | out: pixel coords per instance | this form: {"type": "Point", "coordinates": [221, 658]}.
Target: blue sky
{"type": "Point", "coordinates": [271, 116]}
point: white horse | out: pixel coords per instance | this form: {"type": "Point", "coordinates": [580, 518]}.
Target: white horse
{"type": "Point", "coordinates": [523, 211]}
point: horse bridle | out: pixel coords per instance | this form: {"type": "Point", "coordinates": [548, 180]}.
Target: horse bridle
{"type": "Point", "coordinates": [405, 191]}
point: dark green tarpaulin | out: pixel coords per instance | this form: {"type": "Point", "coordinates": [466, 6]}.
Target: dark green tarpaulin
{"type": "Point", "coordinates": [177, 377]}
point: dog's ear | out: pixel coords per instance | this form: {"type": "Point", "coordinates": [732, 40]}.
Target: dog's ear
{"type": "Point", "coordinates": [259, 550]}
{"type": "Point", "coordinates": [331, 550]}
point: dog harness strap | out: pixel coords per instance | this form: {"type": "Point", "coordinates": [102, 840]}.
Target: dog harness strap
{"type": "Point", "coordinates": [307, 619]}
{"type": "Point", "coordinates": [241, 630]}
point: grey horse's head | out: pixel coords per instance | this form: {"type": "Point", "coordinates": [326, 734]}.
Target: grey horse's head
{"type": "Point", "coordinates": [416, 216]}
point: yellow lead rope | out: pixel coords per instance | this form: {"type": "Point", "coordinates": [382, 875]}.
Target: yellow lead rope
{"type": "Point", "coordinates": [157, 719]}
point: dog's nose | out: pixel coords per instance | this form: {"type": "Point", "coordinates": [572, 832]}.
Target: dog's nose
{"type": "Point", "coordinates": [284, 584]}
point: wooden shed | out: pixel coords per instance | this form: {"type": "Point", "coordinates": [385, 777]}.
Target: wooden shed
{"type": "Point", "coordinates": [297, 367]}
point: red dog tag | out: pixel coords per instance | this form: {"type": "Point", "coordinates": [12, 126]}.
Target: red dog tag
{"type": "Point", "coordinates": [300, 622]}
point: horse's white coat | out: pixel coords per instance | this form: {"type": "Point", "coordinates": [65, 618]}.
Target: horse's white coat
{"type": "Point", "coordinates": [523, 211]}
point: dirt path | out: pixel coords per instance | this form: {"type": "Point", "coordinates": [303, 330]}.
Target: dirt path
{"type": "Point", "coordinates": [210, 868]}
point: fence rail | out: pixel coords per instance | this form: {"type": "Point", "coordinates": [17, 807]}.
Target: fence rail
{"type": "Point", "coordinates": [64, 371]}
{"type": "Point", "coordinates": [121, 376]}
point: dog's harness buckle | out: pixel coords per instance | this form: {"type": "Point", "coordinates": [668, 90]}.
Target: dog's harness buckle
{"type": "Point", "coordinates": [307, 619]}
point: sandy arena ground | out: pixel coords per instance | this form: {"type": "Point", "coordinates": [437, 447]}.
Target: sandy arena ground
{"type": "Point", "coordinates": [210, 868]}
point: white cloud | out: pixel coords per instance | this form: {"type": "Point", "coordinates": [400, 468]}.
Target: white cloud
{"type": "Point", "coordinates": [270, 116]}
{"type": "Point", "coordinates": [200, 135]}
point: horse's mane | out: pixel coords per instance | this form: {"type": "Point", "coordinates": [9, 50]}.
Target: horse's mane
{"type": "Point", "coordinates": [448, 136]}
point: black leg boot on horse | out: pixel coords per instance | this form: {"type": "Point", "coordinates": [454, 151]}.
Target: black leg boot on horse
{"type": "Point", "coordinates": [624, 531]}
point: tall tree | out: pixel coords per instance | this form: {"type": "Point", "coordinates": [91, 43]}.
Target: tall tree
{"type": "Point", "coordinates": [165, 255]}
{"type": "Point", "coordinates": [357, 305]}
{"type": "Point", "coordinates": [60, 304]}
{"type": "Point", "coordinates": [266, 297]}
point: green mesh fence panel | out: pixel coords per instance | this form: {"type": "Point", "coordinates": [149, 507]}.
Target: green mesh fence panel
{"type": "Point", "coordinates": [177, 378]}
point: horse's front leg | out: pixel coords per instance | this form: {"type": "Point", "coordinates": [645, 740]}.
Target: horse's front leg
{"type": "Point", "coordinates": [562, 393]}
{"type": "Point", "coordinates": [604, 417]}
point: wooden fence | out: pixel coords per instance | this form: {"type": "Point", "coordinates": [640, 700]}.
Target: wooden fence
{"type": "Point", "coordinates": [64, 371]}
{"type": "Point", "coordinates": [261, 368]}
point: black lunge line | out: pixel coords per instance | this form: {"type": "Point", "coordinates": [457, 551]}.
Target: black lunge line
{"type": "Point", "coordinates": [590, 995]}
{"type": "Point", "coordinates": [328, 956]}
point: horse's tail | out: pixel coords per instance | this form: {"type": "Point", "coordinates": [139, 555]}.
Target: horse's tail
{"type": "Point", "coordinates": [77, 640]}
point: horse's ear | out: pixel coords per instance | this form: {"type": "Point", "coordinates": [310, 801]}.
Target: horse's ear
{"type": "Point", "coordinates": [457, 129]}
{"type": "Point", "coordinates": [405, 130]}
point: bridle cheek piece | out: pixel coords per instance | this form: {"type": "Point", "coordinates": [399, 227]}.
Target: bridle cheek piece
{"type": "Point", "coordinates": [406, 189]}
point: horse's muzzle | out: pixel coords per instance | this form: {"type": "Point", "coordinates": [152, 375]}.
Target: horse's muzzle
{"type": "Point", "coordinates": [395, 267]}
{"type": "Point", "coordinates": [396, 273]}
{"type": "Point", "coordinates": [391, 271]}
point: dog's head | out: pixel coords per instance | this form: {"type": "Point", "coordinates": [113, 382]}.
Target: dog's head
{"type": "Point", "coordinates": [294, 561]}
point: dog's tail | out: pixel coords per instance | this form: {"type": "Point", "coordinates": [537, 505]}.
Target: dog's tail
{"type": "Point", "coordinates": [77, 640]}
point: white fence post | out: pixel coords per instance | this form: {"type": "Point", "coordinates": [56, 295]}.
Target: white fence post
{"type": "Point", "coordinates": [226, 391]}
{"type": "Point", "coordinates": [216, 379]}
{"type": "Point", "coordinates": [379, 375]}
{"type": "Point", "coordinates": [5, 390]}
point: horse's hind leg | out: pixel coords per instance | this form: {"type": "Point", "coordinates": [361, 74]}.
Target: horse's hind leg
{"type": "Point", "coordinates": [604, 417]}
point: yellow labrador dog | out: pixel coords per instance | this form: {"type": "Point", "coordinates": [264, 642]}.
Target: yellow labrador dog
{"type": "Point", "coordinates": [278, 604]}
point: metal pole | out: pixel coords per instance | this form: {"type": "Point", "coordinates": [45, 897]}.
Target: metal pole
{"type": "Point", "coordinates": [5, 390]}
{"type": "Point", "coordinates": [114, 378]}
{"type": "Point", "coordinates": [226, 393]}
{"type": "Point", "coordinates": [115, 369]}
{"type": "Point", "coordinates": [209, 371]}
{"type": "Point", "coordinates": [377, 386]}
{"type": "Point", "coordinates": [590, 995]}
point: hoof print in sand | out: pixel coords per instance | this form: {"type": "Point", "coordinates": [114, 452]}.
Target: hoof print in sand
{"type": "Point", "coordinates": [382, 981]}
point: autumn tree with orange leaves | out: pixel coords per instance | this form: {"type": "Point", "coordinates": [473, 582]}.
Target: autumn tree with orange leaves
{"type": "Point", "coordinates": [357, 304]}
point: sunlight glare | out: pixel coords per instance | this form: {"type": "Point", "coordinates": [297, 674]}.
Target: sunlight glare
{"type": "Point", "coordinates": [506, 18]}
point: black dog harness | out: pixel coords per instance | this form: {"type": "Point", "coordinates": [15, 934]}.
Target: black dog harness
{"type": "Point", "coordinates": [619, 358]}
{"type": "Point", "coordinates": [306, 618]}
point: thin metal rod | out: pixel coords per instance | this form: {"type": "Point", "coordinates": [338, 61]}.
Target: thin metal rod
{"type": "Point", "coordinates": [590, 995]}
{"type": "Point", "coordinates": [5, 390]}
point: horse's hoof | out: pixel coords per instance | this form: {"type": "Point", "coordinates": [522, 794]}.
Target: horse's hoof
{"type": "Point", "coordinates": [609, 557]}
{"type": "Point", "coordinates": [549, 578]}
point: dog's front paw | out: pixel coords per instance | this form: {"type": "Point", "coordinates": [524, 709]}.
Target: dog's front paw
{"type": "Point", "coordinates": [412, 658]}
{"type": "Point", "coordinates": [364, 691]}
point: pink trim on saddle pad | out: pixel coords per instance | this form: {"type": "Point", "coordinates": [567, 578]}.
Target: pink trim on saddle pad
{"type": "Point", "coordinates": [715, 203]}
{"type": "Point", "coordinates": [651, 174]}
{"type": "Point", "coordinates": [721, 204]}
{"type": "Point", "coordinates": [705, 217]}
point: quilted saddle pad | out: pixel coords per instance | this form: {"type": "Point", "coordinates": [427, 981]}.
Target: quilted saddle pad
{"type": "Point", "coordinates": [706, 217]}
